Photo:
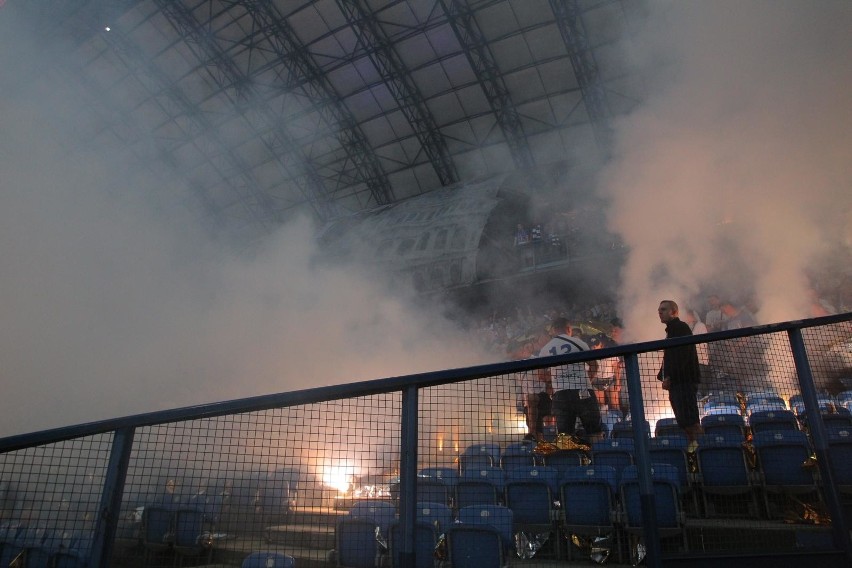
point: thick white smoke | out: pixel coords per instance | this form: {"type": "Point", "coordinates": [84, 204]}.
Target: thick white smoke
{"type": "Point", "coordinates": [734, 175]}
{"type": "Point", "coordinates": [114, 300]}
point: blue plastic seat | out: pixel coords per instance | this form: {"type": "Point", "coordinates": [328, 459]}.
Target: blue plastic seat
{"type": "Point", "coordinates": [268, 559]}
{"type": "Point", "coordinates": [496, 516]}
{"type": "Point", "coordinates": [188, 539]}
{"type": "Point", "coordinates": [840, 453]}
{"type": "Point", "coordinates": [475, 546]}
{"type": "Point", "coordinates": [157, 529]}
{"type": "Point", "coordinates": [477, 492]}
{"type": "Point", "coordinates": [518, 454]}
{"type": "Point", "coordinates": [781, 455]}
{"type": "Point", "coordinates": [731, 426]}
{"type": "Point", "coordinates": [772, 420]}
{"type": "Point", "coordinates": [670, 518]}
{"type": "Point", "coordinates": [438, 515]}
{"type": "Point", "coordinates": [672, 450]}
{"type": "Point", "coordinates": [667, 427]}
{"type": "Point", "coordinates": [433, 490]}
{"type": "Point", "coordinates": [382, 513]}
{"type": "Point", "coordinates": [587, 495]}
{"type": "Point", "coordinates": [530, 493]}
{"type": "Point", "coordinates": [425, 538]}
{"type": "Point", "coordinates": [448, 475]}
{"type": "Point", "coordinates": [624, 429]}
{"type": "Point", "coordinates": [563, 459]}
{"type": "Point", "coordinates": [480, 486]}
{"type": "Point", "coordinates": [479, 455]}
{"type": "Point", "coordinates": [356, 543]}
{"type": "Point", "coordinates": [724, 472]}
{"type": "Point", "coordinates": [616, 453]}
{"type": "Point", "coordinates": [543, 474]}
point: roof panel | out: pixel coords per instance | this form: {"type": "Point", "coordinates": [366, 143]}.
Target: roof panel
{"type": "Point", "coordinates": [511, 52]}
{"type": "Point", "coordinates": [155, 89]}
{"type": "Point", "coordinates": [431, 80]}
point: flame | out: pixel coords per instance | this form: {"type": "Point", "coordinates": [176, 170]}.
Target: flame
{"type": "Point", "coordinates": [338, 476]}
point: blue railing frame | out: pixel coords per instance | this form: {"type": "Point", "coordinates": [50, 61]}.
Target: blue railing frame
{"type": "Point", "coordinates": [123, 429]}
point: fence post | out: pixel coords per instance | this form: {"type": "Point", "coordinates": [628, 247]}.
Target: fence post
{"type": "Point", "coordinates": [643, 461]}
{"type": "Point", "coordinates": [820, 441]}
{"type": "Point", "coordinates": [119, 460]}
{"type": "Point", "coordinates": [408, 477]}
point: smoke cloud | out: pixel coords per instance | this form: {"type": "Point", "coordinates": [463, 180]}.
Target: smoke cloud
{"type": "Point", "coordinates": [734, 176]}
{"type": "Point", "coordinates": [116, 299]}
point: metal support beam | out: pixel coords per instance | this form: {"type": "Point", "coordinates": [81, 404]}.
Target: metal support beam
{"type": "Point", "coordinates": [643, 461]}
{"type": "Point", "coordinates": [408, 476]}
{"type": "Point", "coordinates": [820, 441]}
{"type": "Point", "coordinates": [569, 20]}
{"type": "Point", "coordinates": [461, 19]}
{"type": "Point", "coordinates": [303, 73]}
{"type": "Point", "coordinates": [230, 78]}
{"type": "Point", "coordinates": [399, 82]}
{"type": "Point", "coordinates": [119, 460]}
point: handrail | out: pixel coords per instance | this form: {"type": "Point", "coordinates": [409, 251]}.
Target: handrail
{"type": "Point", "coordinates": [386, 385]}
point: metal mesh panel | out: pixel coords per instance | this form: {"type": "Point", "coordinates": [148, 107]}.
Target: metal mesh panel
{"type": "Point", "coordinates": [320, 483]}
{"type": "Point", "coordinates": [50, 495]}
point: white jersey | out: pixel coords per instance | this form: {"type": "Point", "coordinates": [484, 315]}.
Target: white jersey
{"type": "Point", "coordinates": [567, 377]}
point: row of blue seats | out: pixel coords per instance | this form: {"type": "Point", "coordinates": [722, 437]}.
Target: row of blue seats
{"type": "Point", "coordinates": [736, 424]}
{"type": "Point", "coordinates": [39, 546]}
{"type": "Point", "coordinates": [591, 499]}
{"type": "Point", "coordinates": [724, 467]}
{"type": "Point", "coordinates": [729, 403]}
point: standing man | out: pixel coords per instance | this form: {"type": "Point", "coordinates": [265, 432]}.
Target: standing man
{"type": "Point", "coordinates": [680, 374]}
{"type": "Point", "coordinates": [573, 396]}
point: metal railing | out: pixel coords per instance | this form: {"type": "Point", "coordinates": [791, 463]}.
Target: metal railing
{"type": "Point", "coordinates": [299, 459]}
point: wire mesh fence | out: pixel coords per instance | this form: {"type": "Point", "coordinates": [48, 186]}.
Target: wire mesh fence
{"type": "Point", "coordinates": [323, 483]}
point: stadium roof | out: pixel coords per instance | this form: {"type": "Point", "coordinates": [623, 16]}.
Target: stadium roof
{"type": "Point", "coordinates": [265, 108]}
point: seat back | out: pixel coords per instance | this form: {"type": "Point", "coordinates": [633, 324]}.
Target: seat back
{"type": "Point", "coordinates": [476, 492]}
{"type": "Point", "coordinates": [723, 466]}
{"type": "Point", "coordinates": [616, 453]}
{"type": "Point", "coordinates": [472, 546]}
{"type": "Point", "coordinates": [781, 454]}
{"type": "Point", "coordinates": [475, 461]}
{"type": "Point", "coordinates": [837, 422]}
{"type": "Point", "coordinates": [767, 420]}
{"type": "Point", "coordinates": [508, 462]}
{"type": "Point", "coordinates": [587, 494]}
{"type": "Point", "coordinates": [448, 475]}
{"type": "Point", "coordinates": [518, 454]}
{"type": "Point", "coordinates": [731, 426]}
{"type": "Point", "coordinates": [563, 459]}
{"type": "Point", "coordinates": [667, 427]}
{"type": "Point", "coordinates": [672, 451]}
{"type": "Point", "coordinates": [497, 516]}
{"type": "Point", "coordinates": [666, 497]}
{"type": "Point", "coordinates": [157, 524]}
{"type": "Point", "coordinates": [531, 501]}
{"type": "Point", "coordinates": [543, 474]}
{"type": "Point", "coordinates": [268, 559]}
{"type": "Point", "coordinates": [432, 490]}
{"type": "Point", "coordinates": [356, 542]}
{"type": "Point", "coordinates": [625, 429]}
{"type": "Point", "coordinates": [840, 453]}
{"type": "Point", "coordinates": [480, 454]}
{"type": "Point", "coordinates": [439, 515]}
{"type": "Point", "coordinates": [188, 526]}
{"type": "Point", "coordinates": [425, 537]}
{"type": "Point", "coordinates": [492, 474]}
{"type": "Point", "coordinates": [382, 513]}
